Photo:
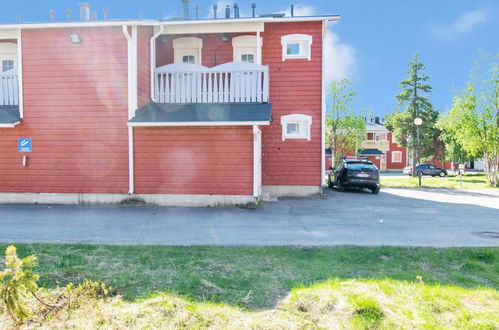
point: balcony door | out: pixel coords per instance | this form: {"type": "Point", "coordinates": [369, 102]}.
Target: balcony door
{"type": "Point", "coordinates": [8, 56]}
{"type": "Point", "coordinates": [187, 50]}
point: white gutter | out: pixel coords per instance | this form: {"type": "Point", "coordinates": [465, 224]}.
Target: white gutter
{"type": "Point", "coordinates": [199, 123]}
{"type": "Point", "coordinates": [323, 115]}
{"type": "Point", "coordinates": [132, 98]}
{"type": "Point", "coordinates": [159, 23]}
{"type": "Point", "coordinates": [152, 54]}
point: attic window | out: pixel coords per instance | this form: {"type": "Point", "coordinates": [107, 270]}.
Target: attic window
{"type": "Point", "coordinates": [296, 127]}
{"type": "Point", "coordinates": [296, 46]}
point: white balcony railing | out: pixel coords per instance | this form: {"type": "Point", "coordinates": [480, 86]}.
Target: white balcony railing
{"type": "Point", "coordinates": [227, 83]}
{"type": "Point", "coordinates": [371, 144]}
{"type": "Point", "coordinates": [9, 88]}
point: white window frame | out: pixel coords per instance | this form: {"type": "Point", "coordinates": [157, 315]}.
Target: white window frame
{"type": "Point", "coordinates": [304, 123]}
{"type": "Point", "coordinates": [305, 46]}
{"type": "Point", "coordinates": [399, 153]}
{"type": "Point", "coordinates": [187, 46]}
{"type": "Point", "coordinates": [246, 44]}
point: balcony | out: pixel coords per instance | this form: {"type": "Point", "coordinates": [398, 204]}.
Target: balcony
{"type": "Point", "coordinates": [371, 144]}
{"type": "Point", "coordinates": [233, 82]}
{"type": "Point", "coordinates": [9, 88]}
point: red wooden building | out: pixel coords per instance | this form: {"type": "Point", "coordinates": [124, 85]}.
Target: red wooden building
{"type": "Point", "coordinates": [177, 112]}
{"type": "Point", "coordinates": [381, 148]}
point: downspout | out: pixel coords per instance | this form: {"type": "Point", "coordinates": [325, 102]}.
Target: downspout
{"type": "Point", "coordinates": [323, 116]}
{"type": "Point", "coordinates": [132, 99]}
{"type": "Point", "coordinates": [153, 60]}
{"type": "Point", "coordinates": [20, 73]}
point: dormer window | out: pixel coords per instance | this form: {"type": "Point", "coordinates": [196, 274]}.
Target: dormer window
{"type": "Point", "coordinates": [187, 50]}
{"type": "Point", "coordinates": [296, 46]}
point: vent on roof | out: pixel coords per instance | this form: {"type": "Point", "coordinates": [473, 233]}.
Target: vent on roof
{"type": "Point", "coordinates": [84, 12]}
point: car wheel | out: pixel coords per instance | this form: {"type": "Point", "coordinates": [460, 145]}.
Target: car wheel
{"type": "Point", "coordinates": [375, 190]}
{"type": "Point", "coordinates": [442, 174]}
{"type": "Point", "coordinates": [339, 186]}
{"type": "Point", "coordinates": [433, 175]}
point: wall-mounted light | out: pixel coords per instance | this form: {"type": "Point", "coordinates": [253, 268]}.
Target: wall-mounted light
{"type": "Point", "coordinates": [224, 37]}
{"type": "Point", "coordinates": [164, 38]}
{"type": "Point", "coordinates": [75, 38]}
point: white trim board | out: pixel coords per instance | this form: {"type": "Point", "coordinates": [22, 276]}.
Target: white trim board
{"type": "Point", "coordinates": [11, 124]}
{"type": "Point", "coordinates": [169, 23]}
{"type": "Point", "coordinates": [200, 123]}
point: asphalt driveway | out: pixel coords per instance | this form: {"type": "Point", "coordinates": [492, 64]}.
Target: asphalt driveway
{"type": "Point", "coordinates": [440, 218]}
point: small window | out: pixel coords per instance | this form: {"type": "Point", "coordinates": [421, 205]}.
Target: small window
{"type": "Point", "coordinates": [189, 59]}
{"type": "Point", "coordinates": [296, 126]}
{"type": "Point", "coordinates": [250, 58]}
{"type": "Point", "coordinates": [293, 49]}
{"type": "Point", "coordinates": [7, 65]}
{"type": "Point", "coordinates": [293, 128]}
{"type": "Point", "coordinates": [396, 156]}
{"type": "Point", "coordinates": [296, 46]}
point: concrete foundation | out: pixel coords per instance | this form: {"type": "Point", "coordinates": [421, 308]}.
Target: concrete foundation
{"type": "Point", "coordinates": [159, 199]}
{"type": "Point", "coordinates": [272, 192]}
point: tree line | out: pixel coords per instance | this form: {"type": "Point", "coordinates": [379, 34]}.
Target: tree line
{"type": "Point", "coordinates": [466, 131]}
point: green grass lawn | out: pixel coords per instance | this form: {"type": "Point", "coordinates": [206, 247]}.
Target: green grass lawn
{"type": "Point", "coordinates": [277, 286]}
{"type": "Point", "coordinates": [470, 181]}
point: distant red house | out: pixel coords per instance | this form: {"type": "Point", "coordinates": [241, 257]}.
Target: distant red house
{"type": "Point", "coordinates": [177, 112]}
{"type": "Point", "coordinates": [381, 148]}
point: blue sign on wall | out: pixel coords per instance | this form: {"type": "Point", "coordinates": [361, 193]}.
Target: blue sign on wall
{"type": "Point", "coordinates": [24, 145]}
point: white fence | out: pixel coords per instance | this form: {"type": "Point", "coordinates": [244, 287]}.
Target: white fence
{"type": "Point", "coordinates": [9, 88]}
{"type": "Point", "coordinates": [226, 83]}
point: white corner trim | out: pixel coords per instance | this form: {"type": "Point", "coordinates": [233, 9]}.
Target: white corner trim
{"type": "Point", "coordinates": [152, 58]}
{"type": "Point", "coordinates": [257, 161]}
{"type": "Point", "coordinates": [304, 123]}
{"type": "Point", "coordinates": [20, 73]}
{"type": "Point", "coordinates": [199, 123]}
{"type": "Point", "coordinates": [323, 103]}
{"type": "Point", "coordinates": [305, 42]}
{"type": "Point", "coordinates": [9, 125]}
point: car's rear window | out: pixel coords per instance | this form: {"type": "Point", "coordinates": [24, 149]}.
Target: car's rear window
{"type": "Point", "coordinates": [360, 166]}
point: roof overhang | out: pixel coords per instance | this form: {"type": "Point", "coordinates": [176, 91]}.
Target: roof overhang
{"type": "Point", "coordinates": [202, 114]}
{"type": "Point", "coordinates": [371, 152]}
{"type": "Point", "coordinates": [181, 23]}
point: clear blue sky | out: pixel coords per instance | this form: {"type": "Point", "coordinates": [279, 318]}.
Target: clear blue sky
{"type": "Point", "coordinates": [371, 45]}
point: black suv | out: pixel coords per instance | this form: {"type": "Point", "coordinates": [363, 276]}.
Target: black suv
{"type": "Point", "coordinates": [355, 173]}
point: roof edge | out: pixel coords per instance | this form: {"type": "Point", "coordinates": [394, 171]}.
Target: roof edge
{"type": "Point", "coordinates": [166, 22]}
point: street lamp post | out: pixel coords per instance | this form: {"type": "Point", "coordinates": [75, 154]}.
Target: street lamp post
{"type": "Point", "coordinates": [418, 121]}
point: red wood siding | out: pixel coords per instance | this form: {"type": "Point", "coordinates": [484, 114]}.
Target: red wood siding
{"type": "Point", "coordinates": [194, 160]}
{"type": "Point", "coordinates": [295, 87]}
{"type": "Point", "coordinates": [75, 110]}
{"type": "Point", "coordinates": [395, 147]}
{"type": "Point", "coordinates": [213, 53]}
{"type": "Point", "coordinates": [144, 34]}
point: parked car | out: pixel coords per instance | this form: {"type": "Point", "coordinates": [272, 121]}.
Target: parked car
{"type": "Point", "coordinates": [355, 173]}
{"type": "Point", "coordinates": [426, 169]}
